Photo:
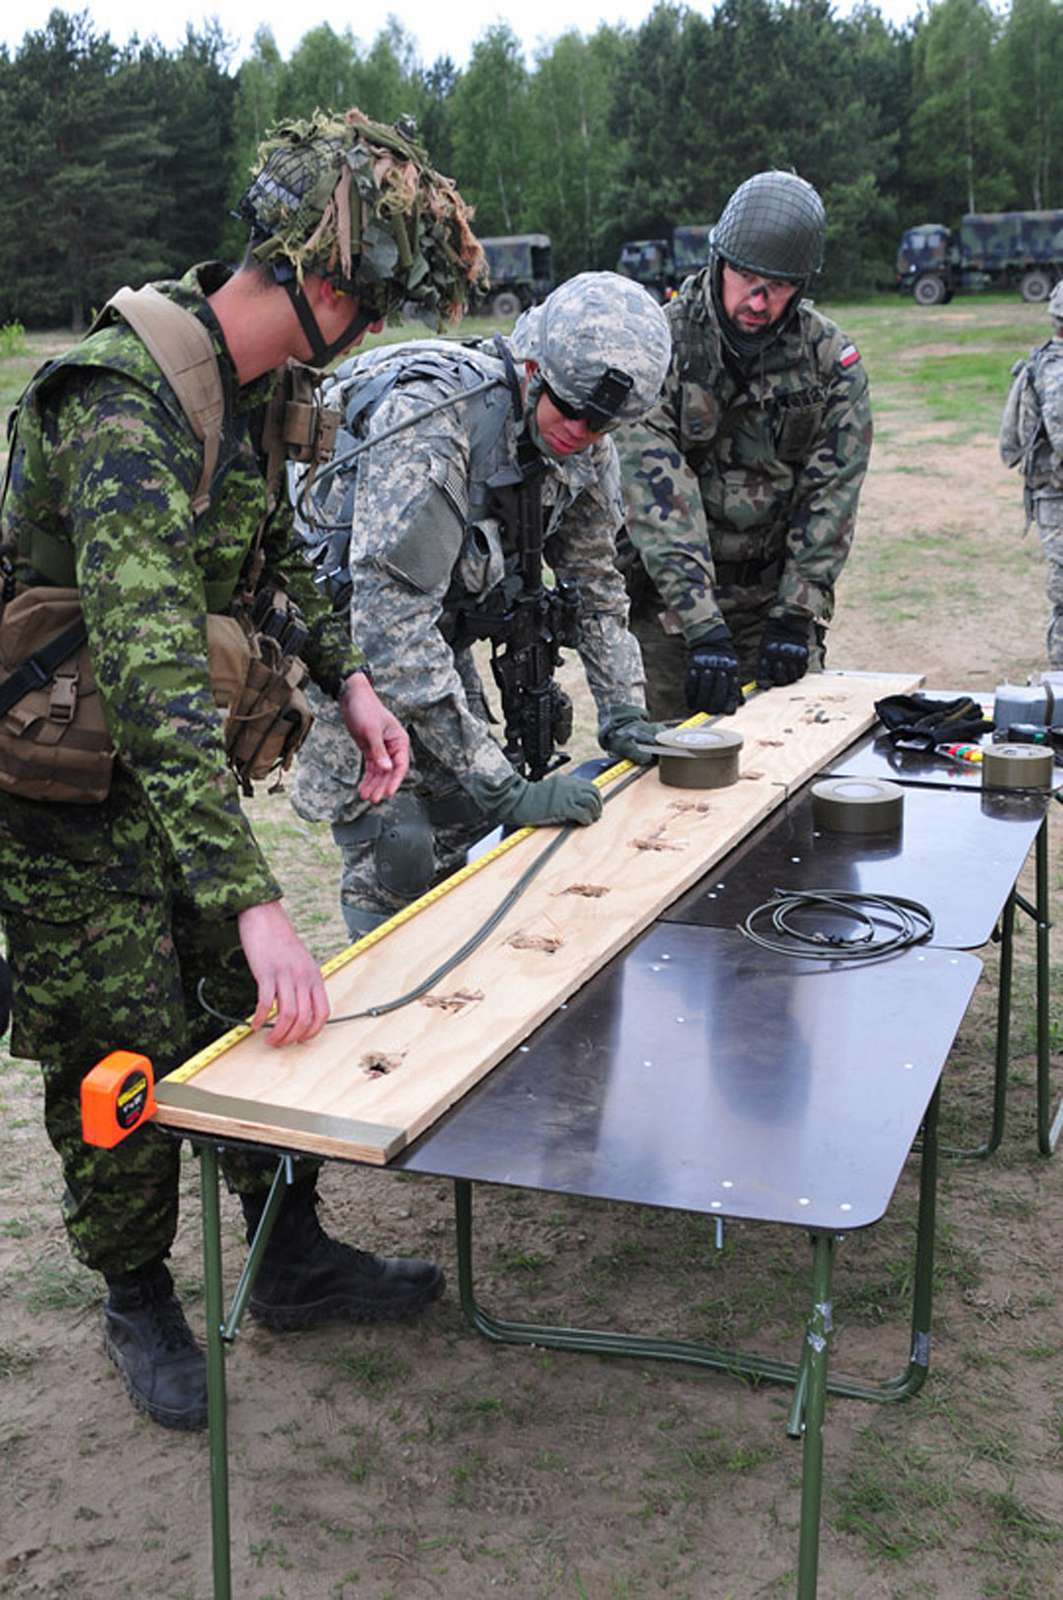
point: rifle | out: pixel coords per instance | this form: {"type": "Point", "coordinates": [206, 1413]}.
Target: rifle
{"type": "Point", "coordinates": [527, 624]}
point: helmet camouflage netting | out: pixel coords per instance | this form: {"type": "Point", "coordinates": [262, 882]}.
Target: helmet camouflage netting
{"type": "Point", "coordinates": [775, 225]}
{"type": "Point", "coordinates": [356, 202]}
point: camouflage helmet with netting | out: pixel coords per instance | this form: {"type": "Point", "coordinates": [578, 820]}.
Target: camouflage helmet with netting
{"type": "Point", "coordinates": [1055, 302]}
{"type": "Point", "coordinates": [594, 325]}
{"type": "Point", "coordinates": [356, 202]}
{"type": "Point", "coordinates": [775, 225]}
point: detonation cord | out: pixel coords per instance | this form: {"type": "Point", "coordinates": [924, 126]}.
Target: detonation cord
{"type": "Point", "coordinates": [888, 924]}
{"type": "Point", "coordinates": [472, 943]}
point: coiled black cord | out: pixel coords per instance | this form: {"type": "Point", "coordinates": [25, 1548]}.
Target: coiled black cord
{"type": "Point", "coordinates": [888, 924]}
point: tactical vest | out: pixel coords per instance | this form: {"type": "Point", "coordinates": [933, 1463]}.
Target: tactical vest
{"type": "Point", "coordinates": [54, 741]}
{"type": "Point", "coordinates": [363, 383]}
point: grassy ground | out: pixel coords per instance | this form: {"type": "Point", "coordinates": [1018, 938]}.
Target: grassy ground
{"type": "Point", "coordinates": [425, 1462]}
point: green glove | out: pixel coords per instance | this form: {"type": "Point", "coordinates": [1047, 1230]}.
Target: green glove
{"type": "Point", "coordinates": [623, 731]}
{"type": "Point", "coordinates": [561, 798]}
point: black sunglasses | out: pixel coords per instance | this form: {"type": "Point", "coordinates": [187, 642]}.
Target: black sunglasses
{"type": "Point", "coordinates": [600, 411]}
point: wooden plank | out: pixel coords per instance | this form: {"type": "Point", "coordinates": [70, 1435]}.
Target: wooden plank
{"type": "Point", "coordinates": [364, 1089]}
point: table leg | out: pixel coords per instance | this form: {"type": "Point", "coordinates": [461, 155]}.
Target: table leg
{"type": "Point", "coordinates": [216, 1399]}
{"type": "Point", "coordinates": [1048, 1128]}
{"type": "Point", "coordinates": [817, 1346]}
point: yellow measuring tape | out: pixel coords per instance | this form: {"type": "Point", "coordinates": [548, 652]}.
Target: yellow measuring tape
{"type": "Point", "coordinates": [203, 1058]}
{"type": "Point", "coordinates": [196, 1063]}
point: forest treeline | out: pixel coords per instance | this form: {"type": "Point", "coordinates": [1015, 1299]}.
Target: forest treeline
{"type": "Point", "coordinates": [122, 162]}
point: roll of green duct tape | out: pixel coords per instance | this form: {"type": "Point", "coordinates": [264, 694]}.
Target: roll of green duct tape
{"type": "Point", "coordinates": [857, 805]}
{"type": "Point", "coordinates": [698, 758]}
{"type": "Point", "coordinates": [1017, 766]}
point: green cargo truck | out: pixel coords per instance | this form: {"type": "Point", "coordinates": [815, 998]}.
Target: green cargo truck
{"type": "Point", "coordinates": [660, 265]}
{"type": "Point", "coordinates": [522, 273]}
{"type": "Point", "coordinates": [990, 249]}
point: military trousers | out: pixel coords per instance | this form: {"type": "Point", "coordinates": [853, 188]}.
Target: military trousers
{"type": "Point", "coordinates": [664, 655]}
{"type": "Point", "coordinates": [106, 953]}
{"type": "Point", "coordinates": [406, 845]}
{"type": "Point", "coordinates": [1049, 511]}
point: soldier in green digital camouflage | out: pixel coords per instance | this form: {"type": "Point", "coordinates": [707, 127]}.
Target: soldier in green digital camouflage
{"type": "Point", "coordinates": [741, 487]}
{"type": "Point", "coordinates": [1031, 437]}
{"type": "Point", "coordinates": [113, 910]}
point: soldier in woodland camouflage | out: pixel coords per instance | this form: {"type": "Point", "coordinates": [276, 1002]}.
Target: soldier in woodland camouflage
{"type": "Point", "coordinates": [412, 534]}
{"type": "Point", "coordinates": [112, 911]}
{"type": "Point", "coordinates": [741, 487]}
{"type": "Point", "coordinates": [1032, 437]}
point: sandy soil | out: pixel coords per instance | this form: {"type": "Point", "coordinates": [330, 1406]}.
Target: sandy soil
{"type": "Point", "coordinates": [425, 1464]}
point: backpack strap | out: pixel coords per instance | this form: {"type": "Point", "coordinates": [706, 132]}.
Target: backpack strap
{"type": "Point", "coordinates": [184, 352]}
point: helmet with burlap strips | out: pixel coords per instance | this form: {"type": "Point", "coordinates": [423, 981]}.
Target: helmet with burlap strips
{"type": "Point", "coordinates": [602, 344]}
{"type": "Point", "coordinates": [356, 202]}
{"type": "Point", "coordinates": [775, 225]}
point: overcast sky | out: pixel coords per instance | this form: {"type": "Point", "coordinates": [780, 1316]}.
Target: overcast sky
{"type": "Point", "coordinates": [438, 29]}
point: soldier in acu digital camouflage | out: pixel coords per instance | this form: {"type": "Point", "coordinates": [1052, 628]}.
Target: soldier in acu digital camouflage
{"type": "Point", "coordinates": [1032, 437]}
{"type": "Point", "coordinates": [741, 486]}
{"type": "Point", "coordinates": [113, 909]}
{"type": "Point", "coordinates": [417, 536]}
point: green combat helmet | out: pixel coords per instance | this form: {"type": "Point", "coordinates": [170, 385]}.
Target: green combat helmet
{"type": "Point", "coordinates": [775, 225]}
{"type": "Point", "coordinates": [1055, 302]}
{"type": "Point", "coordinates": [602, 345]}
{"type": "Point", "coordinates": [356, 202]}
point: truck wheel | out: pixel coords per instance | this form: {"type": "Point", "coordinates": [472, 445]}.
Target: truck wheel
{"type": "Point", "coordinates": [506, 305]}
{"type": "Point", "coordinates": [1035, 285]}
{"type": "Point", "coordinates": [929, 290]}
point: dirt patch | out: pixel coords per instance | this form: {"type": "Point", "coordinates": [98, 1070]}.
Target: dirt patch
{"type": "Point", "coordinates": [427, 1464]}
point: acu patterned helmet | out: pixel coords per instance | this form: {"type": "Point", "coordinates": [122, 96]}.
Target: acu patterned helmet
{"type": "Point", "coordinates": [1055, 302]}
{"type": "Point", "coordinates": [775, 225]}
{"type": "Point", "coordinates": [356, 202]}
{"type": "Point", "coordinates": [603, 346]}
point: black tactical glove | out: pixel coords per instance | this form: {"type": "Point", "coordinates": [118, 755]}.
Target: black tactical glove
{"type": "Point", "coordinates": [623, 731]}
{"type": "Point", "coordinates": [783, 651]}
{"type": "Point", "coordinates": [712, 673]}
{"type": "Point", "coordinates": [561, 798]}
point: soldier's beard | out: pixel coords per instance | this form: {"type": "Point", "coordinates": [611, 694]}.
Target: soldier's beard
{"type": "Point", "coordinates": [742, 346]}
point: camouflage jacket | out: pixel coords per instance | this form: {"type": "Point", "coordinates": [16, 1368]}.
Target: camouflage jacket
{"type": "Point", "coordinates": [423, 541]}
{"type": "Point", "coordinates": [763, 474]}
{"type": "Point", "coordinates": [1044, 465]}
{"type": "Point", "coordinates": [103, 471]}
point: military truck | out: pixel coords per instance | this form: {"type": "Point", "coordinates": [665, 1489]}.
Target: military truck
{"type": "Point", "coordinates": [522, 273]}
{"type": "Point", "coordinates": [660, 265]}
{"type": "Point", "coordinates": [990, 249]}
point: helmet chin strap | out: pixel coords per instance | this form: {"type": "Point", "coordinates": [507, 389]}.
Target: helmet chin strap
{"type": "Point", "coordinates": [320, 352]}
{"type": "Point", "coordinates": [745, 347]}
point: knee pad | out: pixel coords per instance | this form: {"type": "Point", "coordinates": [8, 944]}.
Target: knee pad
{"type": "Point", "coordinates": [404, 852]}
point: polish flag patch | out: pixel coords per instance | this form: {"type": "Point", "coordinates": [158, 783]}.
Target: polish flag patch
{"type": "Point", "coordinates": [849, 356]}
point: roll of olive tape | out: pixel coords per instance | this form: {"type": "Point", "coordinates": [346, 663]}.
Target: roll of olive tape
{"type": "Point", "coordinates": [698, 758]}
{"type": "Point", "coordinates": [857, 805]}
{"type": "Point", "coordinates": [1017, 766]}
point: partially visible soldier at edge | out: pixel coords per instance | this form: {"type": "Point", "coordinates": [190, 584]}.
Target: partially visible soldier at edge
{"type": "Point", "coordinates": [1031, 437]}
{"type": "Point", "coordinates": [425, 555]}
{"type": "Point", "coordinates": [741, 487]}
{"type": "Point", "coordinates": [114, 909]}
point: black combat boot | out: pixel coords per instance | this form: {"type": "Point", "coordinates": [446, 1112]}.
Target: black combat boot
{"type": "Point", "coordinates": [306, 1277]}
{"type": "Point", "coordinates": [146, 1336]}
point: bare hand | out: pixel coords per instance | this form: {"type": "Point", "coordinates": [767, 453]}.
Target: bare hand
{"type": "Point", "coordinates": [379, 735]}
{"type": "Point", "coordinates": [286, 974]}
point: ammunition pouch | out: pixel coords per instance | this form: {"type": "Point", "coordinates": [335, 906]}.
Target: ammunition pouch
{"type": "Point", "coordinates": [54, 740]}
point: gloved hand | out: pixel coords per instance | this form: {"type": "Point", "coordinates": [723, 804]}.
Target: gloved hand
{"type": "Point", "coordinates": [560, 798]}
{"type": "Point", "coordinates": [624, 731]}
{"type": "Point", "coordinates": [712, 673]}
{"type": "Point", "coordinates": [783, 651]}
